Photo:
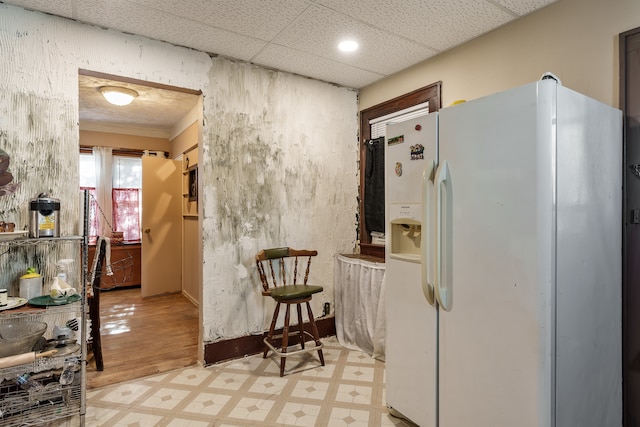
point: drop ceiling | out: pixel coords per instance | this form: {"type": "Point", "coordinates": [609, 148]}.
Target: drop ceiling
{"type": "Point", "coordinates": [301, 36]}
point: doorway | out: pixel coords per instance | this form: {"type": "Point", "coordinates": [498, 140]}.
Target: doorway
{"type": "Point", "coordinates": [161, 124]}
{"type": "Point", "coordinates": [630, 104]}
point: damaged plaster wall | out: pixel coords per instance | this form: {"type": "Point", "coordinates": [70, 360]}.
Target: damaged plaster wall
{"type": "Point", "coordinates": [280, 169]}
{"type": "Point", "coordinates": [278, 163]}
{"type": "Point", "coordinates": [41, 56]}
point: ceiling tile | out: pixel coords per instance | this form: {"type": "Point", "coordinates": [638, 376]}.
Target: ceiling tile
{"type": "Point", "coordinates": [294, 61]}
{"type": "Point", "coordinates": [523, 7]}
{"type": "Point", "coordinates": [438, 24]}
{"type": "Point", "coordinates": [318, 30]}
{"type": "Point", "coordinates": [393, 34]}
{"type": "Point", "coordinates": [148, 22]}
{"type": "Point", "coordinates": [259, 19]}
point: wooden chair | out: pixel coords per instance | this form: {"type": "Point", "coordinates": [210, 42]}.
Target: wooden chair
{"type": "Point", "coordinates": [94, 309]}
{"type": "Point", "coordinates": [275, 267]}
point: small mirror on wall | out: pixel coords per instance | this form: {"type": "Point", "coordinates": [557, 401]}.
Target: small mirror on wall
{"type": "Point", "coordinates": [193, 183]}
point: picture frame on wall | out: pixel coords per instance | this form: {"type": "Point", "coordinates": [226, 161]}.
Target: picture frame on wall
{"type": "Point", "coordinates": [193, 183]}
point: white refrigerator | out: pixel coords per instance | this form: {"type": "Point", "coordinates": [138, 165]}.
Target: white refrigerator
{"type": "Point", "coordinates": [503, 262]}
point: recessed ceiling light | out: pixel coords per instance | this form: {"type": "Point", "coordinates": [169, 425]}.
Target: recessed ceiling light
{"type": "Point", "coordinates": [348, 46]}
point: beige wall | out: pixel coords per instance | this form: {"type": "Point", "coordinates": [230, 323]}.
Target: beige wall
{"type": "Point", "coordinates": [191, 230]}
{"type": "Point", "coordinates": [185, 141]}
{"type": "Point", "coordinates": [191, 259]}
{"type": "Point", "coordinates": [575, 39]}
{"type": "Point", "coordinates": [117, 140]}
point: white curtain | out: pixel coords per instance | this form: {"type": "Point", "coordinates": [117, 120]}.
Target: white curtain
{"type": "Point", "coordinates": [104, 179]}
{"type": "Point", "coordinates": [359, 306]}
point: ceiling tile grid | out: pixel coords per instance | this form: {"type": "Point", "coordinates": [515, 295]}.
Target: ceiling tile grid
{"type": "Point", "coordinates": [455, 21]}
{"type": "Point", "coordinates": [260, 19]}
{"type": "Point", "coordinates": [149, 22]}
{"type": "Point", "coordinates": [524, 7]}
{"type": "Point", "coordinates": [300, 36]}
{"type": "Point", "coordinates": [283, 58]}
{"type": "Point", "coordinates": [319, 30]}
{"type": "Point", "coordinates": [438, 24]}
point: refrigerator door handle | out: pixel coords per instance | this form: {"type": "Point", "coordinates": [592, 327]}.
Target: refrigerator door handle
{"type": "Point", "coordinates": [444, 236]}
{"type": "Point", "coordinates": [427, 232]}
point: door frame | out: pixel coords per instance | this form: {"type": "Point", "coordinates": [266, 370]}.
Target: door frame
{"type": "Point", "coordinates": [200, 134]}
{"type": "Point", "coordinates": [629, 328]}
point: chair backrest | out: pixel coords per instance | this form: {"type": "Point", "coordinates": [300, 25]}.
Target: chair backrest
{"type": "Point", "coordinates": [286, 267]}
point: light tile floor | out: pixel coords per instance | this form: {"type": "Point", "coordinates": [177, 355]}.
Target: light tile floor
{"type": "Point", "coordinates": [348, 391]}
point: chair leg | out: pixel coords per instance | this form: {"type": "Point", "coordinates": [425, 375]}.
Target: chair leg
{"type": "Point", "coordinates": [96, 346]}
{"type": "Point", "coordinates": [300, 324]}
{"type": "Point", "coordinates": [272, 328]}
{"type": "Point", "coordinates": [96, 343]}
{"type": "Point", "coordinates": [285, 338]}
{"type": "Point", "coordinates": [314, 330]}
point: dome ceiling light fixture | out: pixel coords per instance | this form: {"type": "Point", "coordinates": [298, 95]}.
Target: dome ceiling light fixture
{"type": "Point", "coordinates": [118, 95]}
{"type": "Point", "coordinates": [348, 46]}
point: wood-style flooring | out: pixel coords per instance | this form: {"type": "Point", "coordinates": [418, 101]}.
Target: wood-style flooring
{"type": "Point", "coordinates": [143, 336]}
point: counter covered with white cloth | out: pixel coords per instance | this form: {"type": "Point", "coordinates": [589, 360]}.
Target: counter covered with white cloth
{"type": "Point", "coordinates": [359, 303]}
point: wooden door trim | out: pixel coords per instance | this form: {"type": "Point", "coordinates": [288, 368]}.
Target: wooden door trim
{"type": "Point", "coordinates": [430, 94]}
{"type": "Point", "coordinates": [626, 45]}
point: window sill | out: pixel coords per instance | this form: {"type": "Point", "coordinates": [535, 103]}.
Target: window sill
{"type": "Point", "coordinates": [93, 245]}
{"type": "Point", "coordinates": [377, 251]}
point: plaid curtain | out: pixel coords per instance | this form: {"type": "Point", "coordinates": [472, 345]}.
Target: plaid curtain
{"type": "Point", "coordinates": [126, 213]}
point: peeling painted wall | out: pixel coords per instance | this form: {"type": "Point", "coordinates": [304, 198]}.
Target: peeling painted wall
{"type": "Point", "coordinates": [41, 56]}
{"type": "Point", "coordinates": [278, 154]}
{"type": "Point", "coordinates": [279, 168]}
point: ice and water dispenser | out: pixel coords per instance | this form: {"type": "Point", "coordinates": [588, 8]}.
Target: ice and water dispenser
{"type": "Point", "coordinates": [406, 231]}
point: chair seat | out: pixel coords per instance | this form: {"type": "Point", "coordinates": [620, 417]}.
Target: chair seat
{"type": "Point", "coordinates": [283, 293]}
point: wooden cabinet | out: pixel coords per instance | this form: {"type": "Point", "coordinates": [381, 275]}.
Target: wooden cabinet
{"type": "Point", "coordinates": [125, 264]}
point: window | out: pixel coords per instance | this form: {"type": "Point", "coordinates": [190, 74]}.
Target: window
{"type": "Point", "coordinates": [427, 98]}
{"type": "Point", "coordinates": [126, 195]}
{"type": "Point", "coordinates": [379, 124]}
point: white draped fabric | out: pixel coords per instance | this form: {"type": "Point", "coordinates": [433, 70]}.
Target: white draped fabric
{"type": "Point", "coordinates": [104, 179]}
{"type": "Point", "coordinates": [359, 306]}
